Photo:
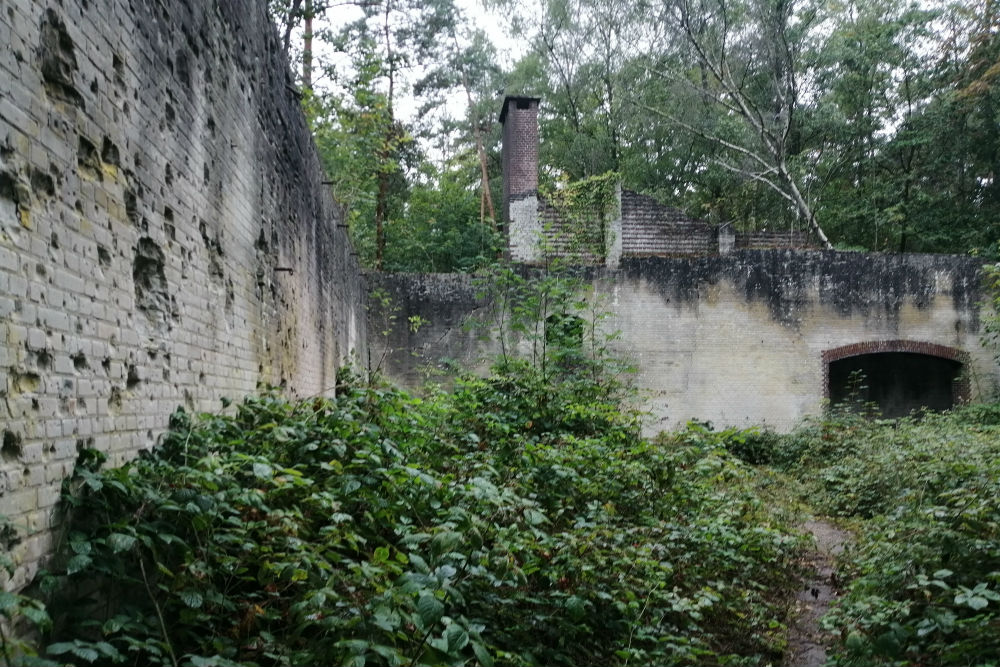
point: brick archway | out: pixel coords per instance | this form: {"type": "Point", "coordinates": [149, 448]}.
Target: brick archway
{"type": "Point", "coordinates": [960, 387]}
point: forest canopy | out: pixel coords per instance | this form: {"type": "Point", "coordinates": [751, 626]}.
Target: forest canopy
{"type": "Point", "coordinates": [874, 125]}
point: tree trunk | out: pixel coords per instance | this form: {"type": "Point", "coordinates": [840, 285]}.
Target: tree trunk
{"type": "Point", "coordinates": [307, 46]}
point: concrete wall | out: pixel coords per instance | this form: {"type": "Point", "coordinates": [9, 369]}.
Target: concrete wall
{"type": "Point", "coordinates": [741, 339]}
{"type": "Point", "coordinates": [165, 239]}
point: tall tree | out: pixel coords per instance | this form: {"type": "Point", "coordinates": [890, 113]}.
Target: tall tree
{"type": "Point", "coordinates": [746, 60]}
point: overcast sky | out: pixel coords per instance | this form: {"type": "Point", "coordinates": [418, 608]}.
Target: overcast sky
{"type": "Point", "coordinates": [494, 25]}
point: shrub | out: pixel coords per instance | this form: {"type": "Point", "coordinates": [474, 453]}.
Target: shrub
{"type": "Point", "coordinates": [487, 526]}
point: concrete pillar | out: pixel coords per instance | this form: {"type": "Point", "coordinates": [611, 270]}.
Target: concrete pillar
{"type": "Point", "coordinates": [727, 238]}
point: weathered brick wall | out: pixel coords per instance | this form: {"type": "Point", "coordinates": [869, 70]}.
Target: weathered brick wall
{"type": "Point", "coordinates": [764, 240]}
{"type": "Point", "coordinates": [650, 228]}
{"type": "Point", "coordinates": [519, 154]}
{"type": "Point", "coordinates": [741, 339]}
{"type": "Point", "coordinates": [581, 240]}
{"type": "Point", "coordinates": [165, 239]}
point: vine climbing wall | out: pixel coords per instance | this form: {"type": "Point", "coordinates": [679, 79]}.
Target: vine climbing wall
{"type": "Point", "coordinates": [165, 238]}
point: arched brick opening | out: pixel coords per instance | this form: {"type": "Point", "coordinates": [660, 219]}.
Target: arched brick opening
{"type": "Point", "coordinates": [900, 375]}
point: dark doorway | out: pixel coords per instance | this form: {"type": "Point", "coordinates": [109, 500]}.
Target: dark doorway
{"type": "Point", "coordinates": [897, 382]}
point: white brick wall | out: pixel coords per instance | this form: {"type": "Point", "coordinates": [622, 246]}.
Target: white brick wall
{"type": "Point", "coordinates": [213, 177]}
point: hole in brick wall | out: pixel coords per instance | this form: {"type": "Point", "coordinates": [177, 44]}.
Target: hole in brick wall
{"type": "Point", "coordinates": [35, 405]}
{"type": "Point", "coordinates": [42, 183]}
{"type": "Point", "coordinates": [210, 124]}
{"type": "Point", "coordinates": [26, 382]}
{"type": "Point", "coordinates": [103, 256]}
{"type": "Point", "coordinates": [168, 214]}
{"type": "Point", "coordinates": [88, 159]}
{"type": "Point", "coordinates": [115, 400]}
{"type": "Point", "coordinates": [169, 175]}
{"type": "Point", "coordinates": [132, 380]}
{"type": "Point", "coordinates": [119, 69]}
{"type": "Point", "coordinates": [205, 175]}
{"type": "Point", "coordinates": [57, 60]}
{"type": "Point", "coordinates": [168, 114]}
{"type": "Point", "coordinates": [11, 448]}
{"type": "Point", "coordinates": [54, 241]}
{"type": "Point", "coordinates": [40, 270]}
{"type": "Point", "coordinates": [213, 243]}
{"type": "Point", "coordinates": [43, 359]}
{"type": "Point", "coordinates": [8, 183]}
{"type": "Point", "coordinates": [182, 67]}
{"type": "Point", "coordinates": [80, 361]}
{"type": "Point", "coordinates": [106, 364]}
{"type": "Point", "coordinates": [171, 231]}
{"type": "Point", "coordinates": [109, 152]}
{"type": "Point", "coordinates": [93, 87]}
{"type": "Point", "coordinates": [132, 206]}
{"type": "Point", "coordinates": [151, 290]}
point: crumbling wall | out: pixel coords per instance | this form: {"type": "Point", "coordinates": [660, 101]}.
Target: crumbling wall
{"type": "Point", "coordinates": [165, 239]}
{"type": "Point", "coordinates": [740, 339]}
{"type": "Point", "coordinates": [650, 228]}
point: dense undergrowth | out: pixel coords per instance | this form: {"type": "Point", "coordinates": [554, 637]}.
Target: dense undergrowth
{"type": "Point", "coordinates": [519, 519]}
{"type": "Point", "coordinates": [922, 581]}
{"type": "Point", "coordinates": [513, 521]}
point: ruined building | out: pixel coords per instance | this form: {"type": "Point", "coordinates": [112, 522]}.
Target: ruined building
{"type": "Point", "coordinates": [166, 240]}
{"type": "Point", "coordinates": [734, 328]}
{"type": "Point", "coordinates": [635, 226]}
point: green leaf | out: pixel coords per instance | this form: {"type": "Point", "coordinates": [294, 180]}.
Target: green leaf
{"type": "Point", "coordinates": [482, 655]}
{"type": "Point", "coordinates": [191, 598]}
{"type": "Point", "coordinates": [8, 601]}
{"type": "Point", "coordinates": [430, 609]}
{"type": "Point", "coordinates": [85, 653]}
{"type": "Point", "coordinates": [80, 546]}
{"type": "Point", "coordinates": [59, 648]}
{"type": "Point", "coordinates": [976, 602]}
{"type": "Point", "coordinates": [419, 563]}
{"type": "Point", "coordinates": [576, 607]}
{"type": "Point", "coordinates": [445, 541]}
{"type": "Point", "coordinates": [108, 650]}
{"type": "Point", "coordinates": [457, 637]}
{"type": "Point", "coordinates": [36, 614]}
{"type": "Point", "coordinates": [263, 471]}
{"type": "Point", "coordinates": [534, 517]}
{"type": "Point", "coordinates": [78, 563]}
{"type": "Point", "coordinates": [120, 542]}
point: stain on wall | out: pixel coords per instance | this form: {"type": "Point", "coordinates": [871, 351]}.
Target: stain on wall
{"type": "Point", "coordinates": [165, 237]}
{"type": "Point", "coordinates": [739, 340]}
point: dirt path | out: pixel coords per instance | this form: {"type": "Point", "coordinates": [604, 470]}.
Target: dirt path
{"type": "Point", "coordinates": [806, 642]}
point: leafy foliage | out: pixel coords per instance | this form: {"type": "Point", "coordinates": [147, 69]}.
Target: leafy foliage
{"type": "Point", "coordinates": [509, 522]}
{"type": "Point", "coordinates": [925, 572]}
{"type": "Point", "coordinates": [20, 615]}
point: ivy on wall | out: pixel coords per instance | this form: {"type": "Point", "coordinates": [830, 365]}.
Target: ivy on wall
{"type": "Point", "coordinates": [584, 209]}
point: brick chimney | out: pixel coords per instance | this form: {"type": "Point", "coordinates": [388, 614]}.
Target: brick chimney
{"type": "Point", "coordinates": [519, 156]}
